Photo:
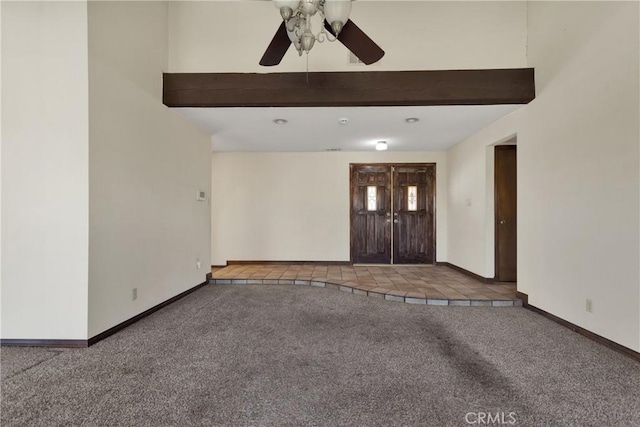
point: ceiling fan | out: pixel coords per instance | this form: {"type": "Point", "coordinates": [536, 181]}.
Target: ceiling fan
{"type": "Point", "coordinates": [296, 29]}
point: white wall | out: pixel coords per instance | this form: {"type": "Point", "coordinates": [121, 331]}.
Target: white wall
{"type": "Point", "coordinates": [231, 36]}
{"type": "Point", "coordinates": [0, 171]}
{"type": "Point", "coordinates": [578, 170]}
{"type": "Point", "coordinates": [146, 163]}
{"type": "Point", "coordinates": [295, 206]}
{"type": "Point", "coordinates": [44, 170]}
{"type": "Point", "coordinates": [470, 194]}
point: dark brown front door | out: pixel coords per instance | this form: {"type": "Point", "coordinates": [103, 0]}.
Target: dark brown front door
{"type": "Point", "coordinates": [371, 214]}
{"type": "Point", "coordinates": [412, 213]}
{"type": "Point", "coordinates": [506, 209]}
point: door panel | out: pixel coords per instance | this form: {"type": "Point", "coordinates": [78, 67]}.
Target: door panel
{"type": "Point", "coordinates": [505, 213]}
{"type": "Point", "coordinates": [371, 214]}
{"type": "Point", "coordinates": [414, 214]}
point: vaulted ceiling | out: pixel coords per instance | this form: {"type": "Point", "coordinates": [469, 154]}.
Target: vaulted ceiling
{"type": "Point", "coordinates": [231, 36]}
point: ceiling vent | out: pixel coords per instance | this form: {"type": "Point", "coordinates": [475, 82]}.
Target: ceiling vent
{"type": "Point", "coordinates": [354, 60]}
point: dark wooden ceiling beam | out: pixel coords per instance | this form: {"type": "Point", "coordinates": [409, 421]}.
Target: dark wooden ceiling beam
{"type": "Point", "coordinates": [347, 89]}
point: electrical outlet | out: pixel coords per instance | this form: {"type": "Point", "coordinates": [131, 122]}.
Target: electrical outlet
{"type": "Point", "coordinates": [134, 294]}
{"type": "Point", "coordinates": [198, 264]}
{"type": "Point", "coordinates": [589, 306]}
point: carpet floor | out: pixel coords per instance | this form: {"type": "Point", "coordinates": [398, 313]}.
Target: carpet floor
{"type": "Point", "coordinates": [291, 356]}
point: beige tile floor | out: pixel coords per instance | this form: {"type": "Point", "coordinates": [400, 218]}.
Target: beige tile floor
{"type": "Point", "coordinates": [424, 284]}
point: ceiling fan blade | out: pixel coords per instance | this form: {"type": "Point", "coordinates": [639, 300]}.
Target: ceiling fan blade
{"type": "Point", "coordinates": [277, 48]}
{"type": "Point", "coordinates": [358, 42]}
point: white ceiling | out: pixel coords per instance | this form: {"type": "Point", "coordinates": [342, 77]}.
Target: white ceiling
{"type": "Point", "coordinates": [318, 129]}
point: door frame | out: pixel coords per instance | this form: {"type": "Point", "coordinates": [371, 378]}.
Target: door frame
{"type": "Point", "coordinates": [391, 165]}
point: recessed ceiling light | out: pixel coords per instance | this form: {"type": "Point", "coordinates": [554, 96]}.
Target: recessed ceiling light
{"type": "Point", "coordinates": [412, 120]}
{"type": "Point", "coordinates": [343, 121]}
{"type": "Point", "coordinates": [381, 145]}
{"type": "Point", "coordinates": [280, 121]}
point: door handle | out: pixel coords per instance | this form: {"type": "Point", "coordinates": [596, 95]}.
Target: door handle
{"type": "Point", "coordinates": [503, 221]}
{"type": "Point", "coordinates": [395, 221]}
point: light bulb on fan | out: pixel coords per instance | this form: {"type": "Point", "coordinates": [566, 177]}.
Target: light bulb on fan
{"type": "Point", "coordinates": [286, 7]}
{"type": "Point", "coordinates": [336, 12]}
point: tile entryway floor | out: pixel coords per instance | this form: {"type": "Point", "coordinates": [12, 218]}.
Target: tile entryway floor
{"type": "Point", "coordinates": [426, 284]}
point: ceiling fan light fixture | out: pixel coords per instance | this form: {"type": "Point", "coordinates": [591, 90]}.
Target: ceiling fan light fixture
{"type": "Point", "coordinates": [335, 26]}
{"type": "Point", "coordinates": [309, 7]}
{"type": "Point", "coordinates": [307, 40]}
{"type": "Point", "coordinates": [297, 18]}
{"type": "Point", "coordinates": [337, 13]}
{"type": "Point", "coordinates": [381, 145]}
{"type": "Point", "coordinates": [286, 13]}
{"type": "Point", "coordinates": [286, 8]}
{"type": "Point", "coordinates": [291, 4]}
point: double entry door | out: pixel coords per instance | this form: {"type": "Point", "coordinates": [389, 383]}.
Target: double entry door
{"type": "Point", "coordinates": [393, 213]}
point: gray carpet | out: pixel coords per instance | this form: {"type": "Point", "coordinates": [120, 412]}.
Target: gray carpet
{"type": "Point", "coordinates": [290, 356]}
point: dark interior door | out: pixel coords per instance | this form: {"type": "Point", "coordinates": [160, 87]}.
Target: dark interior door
{"type": "Point", "coordinates": [371, 214]}
{"type": "Point", "coordinates": [414, 214]}
{"type": "Point", "coordinates": [505, 213]}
